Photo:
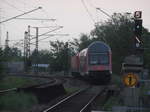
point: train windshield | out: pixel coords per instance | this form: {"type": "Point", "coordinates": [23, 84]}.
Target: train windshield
{"type": "Point", "coordinates": [98, 58]}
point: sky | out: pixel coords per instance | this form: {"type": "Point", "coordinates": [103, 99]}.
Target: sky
{"type": "Point", "coordinates": [71, 14]}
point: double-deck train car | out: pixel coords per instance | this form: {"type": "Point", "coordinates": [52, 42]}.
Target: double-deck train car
{"type": "Point", "coordinates": [94, 63]}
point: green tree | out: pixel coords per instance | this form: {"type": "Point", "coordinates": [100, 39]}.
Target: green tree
{"type": "Point", "coordinates": [118, 34]}
{"type": "Point", "coordinates": [12, 54]}
{"type": "Point", "coordinates": [60, 56]}
{"type": "Point", "coordinates": [43, 57]}
{"type": "Point", "coordinates": [146, 41]}
{"type": "Point", "coordinates": [1, 59]}
{"type": "Point", "coordinates": [81, 43]}
{"type": "Point", "coordinates": [1, 56]}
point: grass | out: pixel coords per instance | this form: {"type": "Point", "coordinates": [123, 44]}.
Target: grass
{"type": "Point", "coordinates": [71, 89]}
{"type": "Point", "coordinates": [113, 101]}
{"type": "Point", "coordinates": [12, 82]}
{"type": "Point", "coordinates": [117, 80]}
{"type": "Point", "coordinates": [18, 102]}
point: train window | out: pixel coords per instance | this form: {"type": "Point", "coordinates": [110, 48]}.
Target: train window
{"type": "Point", "coordinates": [98, 58]}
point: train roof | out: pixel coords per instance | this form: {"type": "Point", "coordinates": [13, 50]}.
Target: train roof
{"type": "Point", "coordinates": [98, 46]}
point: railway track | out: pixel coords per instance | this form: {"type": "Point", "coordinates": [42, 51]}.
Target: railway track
{"type": "Point", "coordinates": [40, 75]}
{"type": "Point", "coordinates": [51, 82]}
{"type": "Point", "coordinates": [44, 92]}
{"type": "Point", "coordinates": [79, 101]}
{"type": "Point", "coordinates": [62, 78]}
{"type": "Point", "coordinates": [7, 90]}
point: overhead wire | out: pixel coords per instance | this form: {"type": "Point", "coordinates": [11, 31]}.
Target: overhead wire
{"type": "Point", "coordinates": [90, 4]}
{"type": "Point", "coordinates": [42, 10]}
{"type": "Point", "coordinates": [26, 4]}
{"type": "Point", "coordinates": [100, 9]}
{"type": "Point", "coordinates": [20, 15]}
{"type": "Point", "coordinates": [104, 12]}
{"type": "Point", "coordinates": [42, 19]}
{"type": "Point", "coordinates": [9, 4]}
{"type": "Point", "coordinates": [46, 15]}
{"type": "Point", "coordinates": [21, 2]}
{"type": "Point", "coordinates": [55, 25]}
{"type": "Point", "coordinates": [93, 6]}
{"type": "Point", "coordinates": [46, 33]}
{"type": "Point", "coordinates": [90, 15]}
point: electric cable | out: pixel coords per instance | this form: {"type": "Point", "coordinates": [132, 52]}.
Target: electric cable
{"type": "Point", "coordinates": [6, 2]}
{"type": "Point", "coordinates": [90, 15]}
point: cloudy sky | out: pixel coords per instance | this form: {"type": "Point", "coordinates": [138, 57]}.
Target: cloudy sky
{"type": "Point", "coordinates": [71, 14]}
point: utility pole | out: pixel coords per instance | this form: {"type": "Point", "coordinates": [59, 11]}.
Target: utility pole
{"type": "Point", "coordinates": [3, 21]}
{"type": "Point", "coordinates": [7, 40]}
{"type": "Point", "coordinates": [68, 57]}
{"type": "Point", "coordinates": [28, 49]}
{"type": "Point", "coordinates": [36, 49]}
{"type": "Point", "coordinates": [0, 29]}
{"type": "Point", "coordinates": [29, 40]}
{"type": "Point", "coordinates": [36, 43]}
{"type": "Point", "coordinates": [25, 50]}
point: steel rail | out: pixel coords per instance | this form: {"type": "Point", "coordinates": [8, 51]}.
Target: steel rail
{"type": "Point", "coordinates": [54, 81]}
{"type": "Point", "coordinates": [8, 90]}
{"type": "Point", "coordinates": [65, 99]}
{"type": "Point", "coordinates": [92, 99]}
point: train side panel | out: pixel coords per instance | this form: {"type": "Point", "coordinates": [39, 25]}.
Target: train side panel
{"type": "Point", "coordinates": [83, 64]}
{"type": "Point", "coordinates": [75, 65]}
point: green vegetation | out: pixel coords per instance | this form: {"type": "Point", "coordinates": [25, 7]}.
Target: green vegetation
{"type": "Point", "coordinates": [1, 66]}
{"type": "Point", "coordinates": [7, 55]}
{"type": "Point", "coordinates": [71, 89]}
{"type": "Point", "coordinates": [117, 32]}
{"type": "Point", "coordinates": [116, 79]}
{"type": "Point", "coordinates": [17, 101]}
{"type": "Point", "coordinates": [112, 101]}
{"type": "Point", "coordinates": [119, 35]}
{"type": "Point", "coordinates": [11, 54]}
{"type": "Point", "coordinates": [144, 89]}
{"type": "Point", "coordinates": [13, 82]}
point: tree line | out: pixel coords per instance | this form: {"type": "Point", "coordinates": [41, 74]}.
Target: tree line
{"type": "Point", "coordinates": [117, 32]}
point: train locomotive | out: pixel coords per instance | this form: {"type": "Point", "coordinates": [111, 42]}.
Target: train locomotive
{"type": "Point", "coordinates": [93, 63]}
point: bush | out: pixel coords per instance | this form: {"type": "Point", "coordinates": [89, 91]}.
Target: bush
{"type": "Point", "coordinates": [112, 101]}
{"type": "Point", "coordinates": [17, 101]}
{"type": "Point", "coordinates": [1, 72]}
{"type": "Point", "coordinates": [14, 82]}
{"type": "Point", "coordinates": [117, 79]}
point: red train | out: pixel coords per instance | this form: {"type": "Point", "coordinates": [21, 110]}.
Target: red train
{"type": "Point", "coordinates": [94, 63]}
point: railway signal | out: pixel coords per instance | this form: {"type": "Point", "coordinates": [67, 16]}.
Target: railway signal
{"type": "Point", "coordinates": [138, 28]}
{"type": "Point", "coordinates": [138, 14]}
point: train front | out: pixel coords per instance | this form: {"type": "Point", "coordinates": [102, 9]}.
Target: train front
{"type": "Point", "coordinates": [99, 63]}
